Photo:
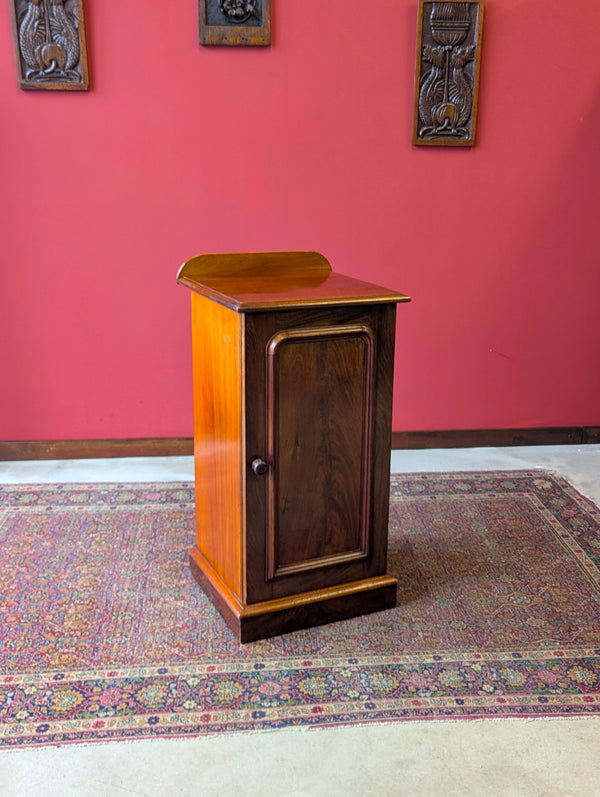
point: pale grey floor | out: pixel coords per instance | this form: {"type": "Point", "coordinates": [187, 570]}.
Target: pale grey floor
{"type": "Point", "coordinates": [533, 758]}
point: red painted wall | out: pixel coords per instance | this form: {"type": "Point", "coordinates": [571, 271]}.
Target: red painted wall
{"type": "Point", "coordinates": [179, 150]}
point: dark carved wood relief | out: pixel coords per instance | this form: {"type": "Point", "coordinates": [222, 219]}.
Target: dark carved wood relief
{"type": "Point", "coordinates": [239, 11]}
{"type": "Point", "coordinates": [49, 43]}
{"type": "Point", "coordinates": [447, 72]}
{"type": "Point", "coordinates": [235, 22]}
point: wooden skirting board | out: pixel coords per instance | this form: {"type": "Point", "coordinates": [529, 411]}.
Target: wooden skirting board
{"type": "Point", "coordinates": [101, 449]}
{"type": "Point", "coordinates": [184, 446]}
{"type": "Point", "coordinates": [485, 438]}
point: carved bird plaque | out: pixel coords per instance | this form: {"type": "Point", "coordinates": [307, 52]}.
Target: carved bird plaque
{"type": "Point", "coordinates": [49, 43]}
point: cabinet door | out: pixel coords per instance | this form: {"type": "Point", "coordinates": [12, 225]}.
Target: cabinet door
{"type": "Point", "coordinates": [318, 404]}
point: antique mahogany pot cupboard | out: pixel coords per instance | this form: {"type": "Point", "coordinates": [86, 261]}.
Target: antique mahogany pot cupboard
{"type": "Point", "coordinates": [293, 368]}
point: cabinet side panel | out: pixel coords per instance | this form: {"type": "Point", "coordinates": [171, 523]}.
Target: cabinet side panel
{"type": "Point", "coordinates": [218, 438]}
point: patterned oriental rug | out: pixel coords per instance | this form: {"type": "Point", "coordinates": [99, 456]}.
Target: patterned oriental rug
{"type": "Point", "coordinates": [104, 634]}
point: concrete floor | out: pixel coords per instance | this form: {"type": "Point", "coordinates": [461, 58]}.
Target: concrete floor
{"type": "Point", "coordinates": [533, 758]}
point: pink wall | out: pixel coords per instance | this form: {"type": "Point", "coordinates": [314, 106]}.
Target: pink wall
{"type": "Point", "coordinates": [179, 150]}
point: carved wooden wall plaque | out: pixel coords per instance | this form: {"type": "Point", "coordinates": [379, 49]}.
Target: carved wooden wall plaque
{"type": "Point", "coordinates": [447, 72]}
{"type": "Point", "coordinates": [49, 43]}
{"type": "Point", "coordinates": [235, 22]}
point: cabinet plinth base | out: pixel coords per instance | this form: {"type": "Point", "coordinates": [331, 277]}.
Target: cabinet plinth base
{"type": "Point", "coordinates": [251, 622]}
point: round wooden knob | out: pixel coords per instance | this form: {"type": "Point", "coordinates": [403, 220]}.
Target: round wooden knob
{"type": "Point", "coordinates": [259, 466]}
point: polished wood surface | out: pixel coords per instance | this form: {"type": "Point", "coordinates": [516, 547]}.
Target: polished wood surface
{"type": "Point", "coordinates": [218, 439]}
{"type": "Point", "coordinates": [251, 622]}
{"type": "Point", "coordinates": [356, 473]}
{"type": "Point", "coordinates": [320, 441]}
{"type": "Point", "coordinates": [292, 401]}
{"type": "Point", "coordinates": [231, 266]}
{"type": "Point", "coordinates": [258, 281]}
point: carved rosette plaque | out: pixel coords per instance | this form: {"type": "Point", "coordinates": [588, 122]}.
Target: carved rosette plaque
{"type": "Point", "coordinates": [447, 72]}
{"type": "Point", "coordinates": [235, 22]}
{"type": "Point", "coordinates": [49, 42]}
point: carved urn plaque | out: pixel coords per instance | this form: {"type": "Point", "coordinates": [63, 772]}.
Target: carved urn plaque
{"type": "Point", "coordinates": [49, 43]}
{"type": "Point", "coordinates": [447, 72]}
{"type": "Point", "coordinates": [235, 22]}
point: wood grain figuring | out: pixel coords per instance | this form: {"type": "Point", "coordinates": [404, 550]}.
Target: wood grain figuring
{"type": "Point", "coordinates": [281, 284]}
{"type": "Point", "coordinates": [218, 439]}
{"type": "Point", "coordinates": [293, 396]}
{"type": "Point", "coordinates": [319, 438]}
{"type": "Point", "coordinates": [261, 328]}
{"type": "Point", "coordinates": [265, 264]}
{"type": "Point", "coordinates": [340, 605]}
{"type": "Point", "coordinates": [292, 613]}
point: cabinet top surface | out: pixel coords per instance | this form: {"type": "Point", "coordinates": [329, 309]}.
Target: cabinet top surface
{"type": "Point", "coordinates": [267, 280]}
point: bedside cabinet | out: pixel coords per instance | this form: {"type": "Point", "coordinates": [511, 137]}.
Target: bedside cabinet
{"type": "Point", "coordinates": [292, 370]}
